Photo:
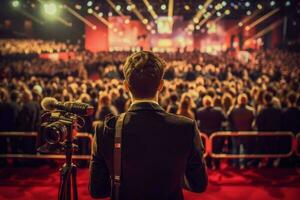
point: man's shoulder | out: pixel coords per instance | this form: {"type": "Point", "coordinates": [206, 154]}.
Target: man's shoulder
{"type": "Point", "coordinates": [173, 118]}
{"type": "Point", "coordinates": [201, 110]}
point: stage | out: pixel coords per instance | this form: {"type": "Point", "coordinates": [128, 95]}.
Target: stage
{"type": "Point", "coordinates": [226, 184]}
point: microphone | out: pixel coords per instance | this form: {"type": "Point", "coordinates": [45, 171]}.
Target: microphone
{"type": "Point", "coordinates": [50, 103]}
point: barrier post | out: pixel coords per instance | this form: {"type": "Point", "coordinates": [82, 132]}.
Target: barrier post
{"type": "Point", "coordinates": [250, 134]}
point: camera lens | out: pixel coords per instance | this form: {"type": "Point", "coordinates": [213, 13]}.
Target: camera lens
{"type": "Point", "coordinates": [55, 133]}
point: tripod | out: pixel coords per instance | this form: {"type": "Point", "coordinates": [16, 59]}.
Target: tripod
{"type": "Point", "coordinates": [68, 174]}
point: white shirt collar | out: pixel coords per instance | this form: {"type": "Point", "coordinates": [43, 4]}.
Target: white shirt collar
{"type": "Point", "coordinates": [144, 101]}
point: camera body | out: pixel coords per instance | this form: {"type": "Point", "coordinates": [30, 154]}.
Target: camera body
{"type": "Point", "coordinates": [58, 127]}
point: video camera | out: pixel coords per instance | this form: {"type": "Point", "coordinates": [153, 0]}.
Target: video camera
{"type": "Point", "coordinates": [59, 125]}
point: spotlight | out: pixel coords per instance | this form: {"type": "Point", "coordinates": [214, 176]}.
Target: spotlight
{"type": "Point", "coordinates": [186, 7]}
{"type": "Point", "coordinates": [163, 7]}
{"type": "Point", "coordinates": [200, 6]}
{"type": "Point", "coordinates": [90, 11]}
{"type": "Point", "coordinates": [15, 3]}
{"type": "Point", "coordinates": [218, 6]}
{"type": "Point", "coordinates": [110, 14]}
{"type": "Point", "coordinates": [100, 14]}
{"type": "Point", "coordinates": [78, 7]}
{"type": "Point", "coordinates": [196, 20]}
{"type": "Point", "coordinates": [240, 24]}
{"type": "Point", "coordinates": [224, 3]}
{"type": "Point", "coordinates": [287, 3]}
{"type": "Point", "coordinates": [89, 3]}
{"type": "Point", "coordinates": [219, 14]}
{"type": "Point", "coordinates": [50, 8]}
{"type": "Point", "coordinates": [97, 8]}
{"type": "Point", "coordinates": [145, 21]}
{"type": "Point", "coordinates": [128, 8]}
{"type": "Point", "coordinates": [248, 12]}
{"type": "Point", "coordinates": [272, 3]}
{"type": "Point", "coordinates": [259, 6]}
{"type": "Point", "coordinates": [247, 4]}
{"type": "Point", "coordinates": [118, 7]}
{"type": "Point", "coordinates": [227, 12]}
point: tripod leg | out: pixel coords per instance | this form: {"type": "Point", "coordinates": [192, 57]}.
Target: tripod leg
{"type": "Point", "coordinates": [74, 182]}
{"type": "Point", "coordinates": [62, 185]}
{"type": "Point", "coordinates": [65, 183]}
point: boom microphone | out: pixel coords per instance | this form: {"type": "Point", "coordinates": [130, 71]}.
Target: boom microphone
{"type": "Point", "coordinates": [50, 103]}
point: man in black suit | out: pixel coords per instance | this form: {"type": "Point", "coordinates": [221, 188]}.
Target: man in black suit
{"type": "Point", "coordinates": [28, 121]}
{"type": "Point", "coordinates": [269, 119]}
{"type": "Point", "coordinates": [161, 152]}
{"type": "Point", "coordinates": [291, 116]}
{"type": "Point", "coordinates": [211, 119]}
{"type": "Point", "coordinates": [291, 122]}
{"type": "Point", "coordinates": [241, 118]}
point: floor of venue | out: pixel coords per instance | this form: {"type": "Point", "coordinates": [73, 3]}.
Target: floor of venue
{"type": "Point", "coordinates": [226, 184]}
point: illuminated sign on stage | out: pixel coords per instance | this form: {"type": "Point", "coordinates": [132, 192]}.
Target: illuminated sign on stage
{"type": "Point", "coordinates": [164, 25]}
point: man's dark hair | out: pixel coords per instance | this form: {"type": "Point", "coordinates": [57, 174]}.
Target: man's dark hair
{"type": "Point", "coordinates": [14, 95]}
{"type": "Point", "coordinates": [292, 98]}
{"type": "Point", "coordinates": [143, 71]}
{"type": "Point", "coordinates": [173, 97]}
{"type": "Point", "coordinates": [268, 97]}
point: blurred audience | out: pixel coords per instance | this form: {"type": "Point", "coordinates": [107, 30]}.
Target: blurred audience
{"type": "Point", "coordinates": [219, 91]}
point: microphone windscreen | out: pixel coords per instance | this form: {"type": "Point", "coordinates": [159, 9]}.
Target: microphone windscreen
{"type": "Point", "coordinates": [48, 103]}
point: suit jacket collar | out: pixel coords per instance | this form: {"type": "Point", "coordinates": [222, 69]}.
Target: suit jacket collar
{"type": "Point", "coordinates": [141, 106]}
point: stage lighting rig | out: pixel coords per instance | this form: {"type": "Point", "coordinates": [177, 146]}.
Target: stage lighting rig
{"type": "Point", "coordinates": [15, 3]}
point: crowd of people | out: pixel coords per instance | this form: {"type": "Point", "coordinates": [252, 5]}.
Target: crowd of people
{"type": "Point", "coordinates": [33, 46]}
{"type": "Point", "coordinates": [223, 93]}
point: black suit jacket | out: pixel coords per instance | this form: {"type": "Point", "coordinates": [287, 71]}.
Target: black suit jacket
{"type": "Point", "coordinates": [160, 152]}
{"type": "Point", "coordinates": [269, 119]}
{"type": "Point", "coordinates": [241, 118]}
{"type": "Point", "coordinates": [211, 119]}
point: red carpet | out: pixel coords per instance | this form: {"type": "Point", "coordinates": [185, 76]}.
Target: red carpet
{"type": "Point", "coordinates": [226, 184]}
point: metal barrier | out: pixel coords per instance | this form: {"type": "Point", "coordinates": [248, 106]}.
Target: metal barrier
{"type": "Point", "coordinates": [297, 145]}
{"type": "Point", "coordinates": [43, 156]}
{"type": "Point", "coordinates": [208, 143]}
{"type": "Point", "coordinates": [250, 134]}
{"type": "Point", "coordinates": [205, 141]}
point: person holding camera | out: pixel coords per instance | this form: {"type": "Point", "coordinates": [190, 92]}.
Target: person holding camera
{"type": "Point", "coordinates": [159, 153]}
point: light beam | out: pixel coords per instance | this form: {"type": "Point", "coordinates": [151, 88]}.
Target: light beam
{"type": "Point", "coordinates": [78, 16]}
{"type": "Point", "coordinates": [261, 19]}
{"type": "Point", "coordinates": [114, 7]}
{"type": "Point", "coordinates": [150, 9]}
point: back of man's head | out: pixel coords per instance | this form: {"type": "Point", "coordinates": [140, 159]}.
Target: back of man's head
{"type": "Point", "coordinates": [207, 101]}
{"type": "Point", "coordinates": [143, 72]}
{"type": "Point", "coordinates": [292, 98]}
{"type": "Point", "coordinates": [242, 99]}
{"type": "Point", "coordinates": [268, 97]}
